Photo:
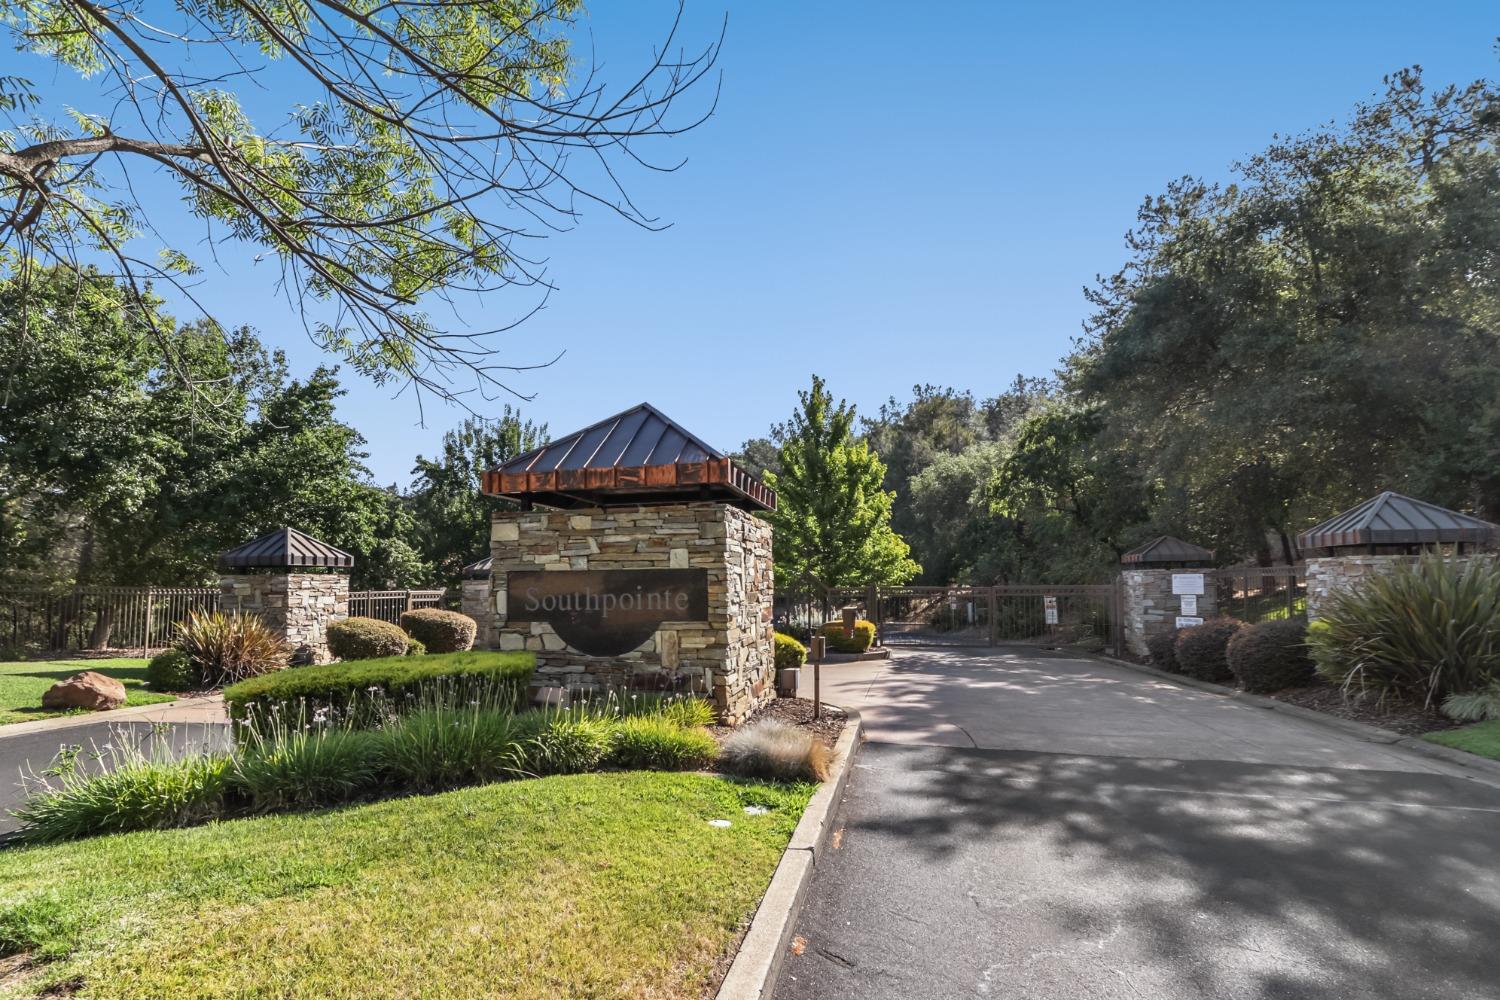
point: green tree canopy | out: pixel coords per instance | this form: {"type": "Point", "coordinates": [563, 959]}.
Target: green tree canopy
{"type": "Point", "coordinates": [382, 154]}
{"type": "Point", "coordinates": [833, 514]}
{"type": "Point", "coordinates": [451, 517]}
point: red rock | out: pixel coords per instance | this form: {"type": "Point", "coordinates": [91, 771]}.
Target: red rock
{"type": "Point", "coordinates": [89, 690]}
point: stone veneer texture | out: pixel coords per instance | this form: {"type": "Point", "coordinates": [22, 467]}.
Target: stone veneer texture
{"type": "Point", "coordinates": [298, 606]}
{"type": "Point", "coordinates": [728, 657]}
{"type": "Point", "coordinates": [1150, 607]}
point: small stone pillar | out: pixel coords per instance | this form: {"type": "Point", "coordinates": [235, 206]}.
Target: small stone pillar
{"type": "Point", "coordinates": [292, 582]}
{"type": "Point", "coordinates": [1149, 606]}
{"type": "Point", "coordinates": [475, 600]}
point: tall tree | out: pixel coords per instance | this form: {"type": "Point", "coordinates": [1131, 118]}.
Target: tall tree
{"type": "Point", "coordinates": [833, 514]}
{"type": "Point", "coordinates": [452, 517]}
{"type": "Point", "coordinates": [424, 142]}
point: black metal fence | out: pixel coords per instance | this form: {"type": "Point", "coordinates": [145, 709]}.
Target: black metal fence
{"type": "Point", "coordinates": [96, 618]}
{"type": "Point", "coordinates": [1260, 593]}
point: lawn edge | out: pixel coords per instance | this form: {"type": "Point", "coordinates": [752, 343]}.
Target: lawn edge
{"type": "Point", "coordinates": [1372, 734]}
{"type": "Point", "coordinates": [757, 965]}
{"type": "Point", "coordinates": [126, 714]}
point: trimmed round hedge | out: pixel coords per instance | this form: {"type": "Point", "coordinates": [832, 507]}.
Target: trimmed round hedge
{"type": "Point", "coordinates": [172, 670]}
{"type": "Point", "coordinates": [789, 652]}
{"type": "Point", "coordinates": [839, 641]}
{"type": "Point", "coordinates": [365, 639]}
{"type": "Point", "coordinates": [1160, 646]}
{"type": "Point", "coordinates": [440, 631]}
{"type": "Point", "coordinates": [1200, 649]}
{"type": "Point", "coordinates": [1271, 656]}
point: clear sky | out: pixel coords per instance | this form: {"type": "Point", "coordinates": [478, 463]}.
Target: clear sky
{"type": "Point", "coordinates": [898, 193]}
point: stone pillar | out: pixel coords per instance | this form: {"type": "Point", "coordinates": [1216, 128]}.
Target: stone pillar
{"type": "Point", "coordinates": [475, 601]}
{"type": "Point", "coordinates": [297, 606]}
{"type": "Point", "coordinates": [727, 657]}
{"type": "Point", "coordinates": [1150, 607]}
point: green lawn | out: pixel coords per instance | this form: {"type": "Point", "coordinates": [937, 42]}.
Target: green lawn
{"type": "Point", "coordinates": [1482, 738]}
{"type": "Point", "coordinates": [22, 684]}
{"type": "Point", "coordinates": [599, 885]}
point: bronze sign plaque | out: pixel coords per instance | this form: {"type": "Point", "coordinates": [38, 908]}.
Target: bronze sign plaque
{"type": "Point", "coordinates": [606, 612]}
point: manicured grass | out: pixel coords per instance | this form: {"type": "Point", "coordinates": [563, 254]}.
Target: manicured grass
{"type": "Point", "coordinates": [1482, 738]}
{"type": "Point", "coordinates": [22, 684]}
{"type": "Point", "coordinates": [597, 885]}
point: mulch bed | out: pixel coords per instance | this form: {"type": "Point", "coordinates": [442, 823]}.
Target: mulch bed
{"type": "Point", "coordinates": [794, 712]}
{"type": "Point", "coordinates": [1408, 720]}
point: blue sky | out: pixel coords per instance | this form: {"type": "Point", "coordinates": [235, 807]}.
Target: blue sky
{"type": "Point", "coordinates": [892, 194]}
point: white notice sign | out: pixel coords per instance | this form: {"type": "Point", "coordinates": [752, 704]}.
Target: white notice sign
{"type": "Point", "coordinates": [1190, 604]}
{"type": "Point", "coordinates": [1187, 583]}
{"type": "Point", "coordinates": [1051, 616]}
{"type": "Point", "coordinates": [1184, 621]}
{"type": "Point", "coordinates": [1049, 607]}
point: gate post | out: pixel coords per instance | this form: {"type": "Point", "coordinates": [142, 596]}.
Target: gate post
{"type": "Point", "coordinates": [992, 610]}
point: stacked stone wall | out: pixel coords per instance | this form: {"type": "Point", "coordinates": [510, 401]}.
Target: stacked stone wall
{"type": "Point", "coordinates": [1329, 574]}
{"type": "Point", "coordinates": [297, 606]}
{"type": "Point", "coordinates": [1150, 607]}
{"type": "Point", "coordinates": [475, 600]}
{"type": "Point", "coordinates": [728, 657]}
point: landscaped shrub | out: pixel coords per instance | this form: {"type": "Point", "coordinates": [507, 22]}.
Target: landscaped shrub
{"type": "Point", "coordinates": [789, 652]}
{"type": "Point", "coordinates": [689, 713]}
{"type": "Point", "coordinates": [1419, 631]}
{"type": "Point", "coordinates": [1200, 649]}
{"type": "Point", "coordinates": [415, 647]}
{"type": "Point", "coordinates": [1160, 646]}
{"type": "Point", "coordinates": [444, 746]}
{"type": "Point", "coordinates": [137, 792]}
{"type": "Point", "coordinates": [365, 639]}
{"type": "Point", "coordinates": [568, 742]}
{"type": "Point", "coordinates": [363, 692]}
{"type": "Point", "coordinates": [440, 631]}
{"type": "Point", "coordinates": [657, 743]}
{"type": "Point", "coordinates": [777, 751]}
{"type": "Point", "coordinates": [172, 670]}
{"type": "Point", "coordinates": [841, 642]}
{"type": "Point", "coordinates": [226, 648]}
{"type": "Point", "coordinates": [1474, 706]}
{"type": "Point", "coordinates": [1271, 656]}
{"type": "Point", "coordinates": [302, 767]}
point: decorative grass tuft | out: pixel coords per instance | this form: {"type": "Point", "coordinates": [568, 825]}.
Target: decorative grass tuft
{"type": "Point", "coordinates": [774, 750]}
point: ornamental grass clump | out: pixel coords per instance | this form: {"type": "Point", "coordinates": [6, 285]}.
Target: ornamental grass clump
{"type": "Point", "coordinates": [228, 648]}
{"type": "Point", "coordinates": [138, 790]}
{"type": "Point", "coordinates": [442, 745]}
{"type": "Point", "coordinates": [570, 741]}
{"type": "Point", "coordinates": [306, 767]}
{"type": "Point", "coordinates": [776, 751]}
{"type": "Point", "coordinates": [1418, 632]}
{"type": "Point", "coordinates": [647, 742]}
{"type": "Point", "coordinates": [1474, 706]}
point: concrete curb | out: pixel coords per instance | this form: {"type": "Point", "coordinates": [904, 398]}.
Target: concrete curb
{"type": "Point", "coordinates": [189, 709]}
{"type": "Point", "coordinates": [753, 973]}
{"type": "Point", "coordinates": [1370, 734]}
{"type": "Point", "coordinates": [881, 653]}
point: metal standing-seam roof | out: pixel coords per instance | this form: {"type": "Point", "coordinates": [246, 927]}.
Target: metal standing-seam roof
{"type": "Point", "coordinates": [285, 548]}
{"type": "Point", "coordinates": [1394, 519]}
{"type": "Point", "coordinates": [478, 570]}
{"type": "Point", "coordinates": [1167, 549]}
{"type": "Point", "coordinates": [640, 455]}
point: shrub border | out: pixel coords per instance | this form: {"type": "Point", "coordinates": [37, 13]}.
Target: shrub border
{"type": "Point", "coordinates": [757, 963]}
{"type": "Point", "coordinates": [1371, 734]}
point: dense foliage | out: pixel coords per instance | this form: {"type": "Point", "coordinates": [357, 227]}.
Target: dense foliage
{"type": "Point", "coordinates": [1201, 651]}
{"type": "Point", "coordinates": [1271, 656]}
{"type": "Point", "coordinates": [1419, 631]}
{"type": "Point", "coordinates": [833, 516]}
{"type": "Point", "coordinates": [366, 639]}
{"type": "Point", "coordinates": [112, 472]}
{"type": "Point", "coordinates": [789, 652]}
{"type": "Point", "coordinates": [440, 630]}
{"type": "Point", "coordinates": [841, 641]}
{"type": "Point", "coordinates": [366, 689]}
{"type": "Point", "coordinates": [172, 670]}
{"type": "Point", "coordinates": [225, 648]}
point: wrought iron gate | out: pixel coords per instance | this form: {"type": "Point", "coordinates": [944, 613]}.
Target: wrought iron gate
{"type": "Point", "coordinates": [1076, 616]}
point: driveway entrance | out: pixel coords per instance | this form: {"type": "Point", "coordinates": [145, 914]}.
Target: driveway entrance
{"type": "Point", "coordinates": [1029, 825]}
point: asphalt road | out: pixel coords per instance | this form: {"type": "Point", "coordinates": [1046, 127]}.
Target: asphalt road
{"type": "Point", "coordinates": [1004, 868]}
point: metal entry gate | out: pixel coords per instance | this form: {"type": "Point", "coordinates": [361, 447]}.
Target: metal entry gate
{"type": "Point", "coordinates": [1085, 617]}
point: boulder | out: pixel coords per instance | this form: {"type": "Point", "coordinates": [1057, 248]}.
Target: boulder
{"type": "Point", "coordinates": [89, 690]}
